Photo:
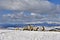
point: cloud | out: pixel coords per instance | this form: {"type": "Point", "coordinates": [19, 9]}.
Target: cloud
{"type": "Point", "coordinates": [33, 14]}
{"type": "Point", "coordinates": [13, 16]}
{"type": "Point", "coordinates": [39, 6]}
{"type": "Point", "coordinates": [40, 11]}
{"type": "Point", "coordinates": [32, 18]}
{"type": "Point", "coordinates": [20, 17]}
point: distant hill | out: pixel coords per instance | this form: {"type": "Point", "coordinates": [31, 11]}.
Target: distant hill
{"type": "Point", "coordinates": [22, 25]}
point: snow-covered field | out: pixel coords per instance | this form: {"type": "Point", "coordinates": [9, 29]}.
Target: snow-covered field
{"type": "Point", "coordinates": [28, 35]}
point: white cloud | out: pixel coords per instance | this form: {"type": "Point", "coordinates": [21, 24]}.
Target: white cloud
{"type": "Point", "coordinates": [41, 11]}
{"type": "Point", "coordinates": [33, 22]}
{"type": "Point", "coordinates": [16, 15]}
{"type": "Point", "coordinates": [33, 14]}
{"type": "Point", "coordinates": [40, 6]}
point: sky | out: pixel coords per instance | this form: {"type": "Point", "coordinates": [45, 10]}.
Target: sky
{"type": "Point", "coordinates": [29, 11]}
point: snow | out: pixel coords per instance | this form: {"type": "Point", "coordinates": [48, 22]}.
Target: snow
{"type": "Point", "coordinates": [28, 35]}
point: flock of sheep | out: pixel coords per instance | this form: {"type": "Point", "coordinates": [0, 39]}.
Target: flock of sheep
{"type": "Point", "coordinates": [31, 28]}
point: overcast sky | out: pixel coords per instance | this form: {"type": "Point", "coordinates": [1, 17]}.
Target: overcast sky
{"type": "Point", "coordinates": [29, 11]}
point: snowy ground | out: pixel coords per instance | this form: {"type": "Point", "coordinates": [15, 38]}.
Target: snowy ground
{"type": "Point", "coordinates": [28, 35]}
